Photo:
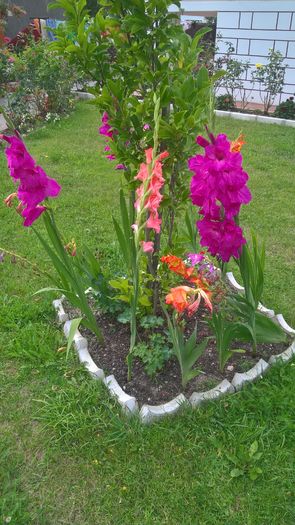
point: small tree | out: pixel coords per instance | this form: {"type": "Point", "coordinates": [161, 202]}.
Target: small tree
{"type": "Point", "coordinates": [232, 80]}
{"type": "Point", "coordinates": [271, 78]}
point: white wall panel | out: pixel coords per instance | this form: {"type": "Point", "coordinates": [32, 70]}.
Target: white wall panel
{"type": "Point", "coordinates": [246, 20]}
{"type": "Point", "coordinates": [281, 46]}
{"type": "Point", "coordinates": [253, 27]}
{"type": "Point", "coordinates": [265, 20]}
{"type": "Point", "coordinates": [237, 5]}
{"type": "Point", "coordinates": [284, 21]}
{"type": "Point", "coordinates": [260, 47]}
{"type": "Point", "coordinates": [243, 47]}
{"type": "Point", "coordinates": [230, 19]}
{"type": "Point", "coordinates": [291, 50]}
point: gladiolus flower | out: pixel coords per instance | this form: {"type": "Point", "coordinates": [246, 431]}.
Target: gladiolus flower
{"type": "Point", "coordinates": [34, 185]}
{"type": "Point", "coordinates": [9, 200]}
{"type": "Point", "coordinates": [236, 145]}
{"type": "Point", "coordinates": [146, 127]}
{"type": "Point", "coordinates": [223, 238]}
{"type": "Point", "coordinates": [71, 248]}
{"type": "Point", "coordinates": [147, 246]}
{"type": "Point", "coordinates": [176, 265]}
{"type": "Point", "coordinates": [196, 258]}
{"type": "Point", "coordinates": [219, 188]}
{"type": "Point", "coordinates": [148, 194]}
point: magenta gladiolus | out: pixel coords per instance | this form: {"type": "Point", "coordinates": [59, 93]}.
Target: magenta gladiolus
{"type": "Point", "coordinates": [218, 177]}
{"type": "Point", "coordinates": [34, 185]}
{"type": "Point", "coordinates": [219, 188]}
{"type": "Point", "coordinates": [223, 238]}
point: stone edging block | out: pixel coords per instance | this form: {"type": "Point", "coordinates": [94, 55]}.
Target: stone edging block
{"type": "Point", "coordinates": [225, 387]}
{"type": "Point", "coordinates": [254, 373]}
{"type": "Point", "coordinates": [62, 317]}
{"type": "Point", "coordinates": [256, 118]}
{"type": "Point", "coordinates": [149, 413]}
{"type": "Point", "coordinates": [284, 356]}
{"type": "Point", "coordinates": [128, 403]}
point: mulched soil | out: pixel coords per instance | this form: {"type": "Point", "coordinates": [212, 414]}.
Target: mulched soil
{"type": "Point", "coordinates": [167, 383]}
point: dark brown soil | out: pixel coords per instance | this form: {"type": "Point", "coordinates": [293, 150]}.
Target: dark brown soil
{"type": "Point", "coordinates": [167, 383]}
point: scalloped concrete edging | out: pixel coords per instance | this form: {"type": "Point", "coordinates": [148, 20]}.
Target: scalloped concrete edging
{"type": "Point", "coordinates": [150, 413]}
{"type": "Point", "coordinates": [256, 118]}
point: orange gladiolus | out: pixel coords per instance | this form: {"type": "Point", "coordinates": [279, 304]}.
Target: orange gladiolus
{"type": "Point", "coordinates": [236, 145]}
{"type": "Point", "coordinates": [176, 265]}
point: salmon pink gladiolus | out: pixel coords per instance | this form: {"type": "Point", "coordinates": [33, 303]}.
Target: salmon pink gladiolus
{"type": "Point", "coordinates": [149, 196]}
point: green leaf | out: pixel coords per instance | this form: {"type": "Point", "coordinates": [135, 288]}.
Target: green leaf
{"type": "Point", "coordinates": [75, 323]}
{"type": "Point", "coordinates": [236, 473]}
{"type": "Point", "coordinates": [253, 448]}
{"type": "Point", "coordinates": [49, 289]}
{"type": "Point", "coordinates": [267, 331]}
{"type": "Point", "coordinates": [254, 472]}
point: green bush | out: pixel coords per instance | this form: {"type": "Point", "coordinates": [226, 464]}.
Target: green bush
{"type": "Point", "coordinates": [44, 86]}
{"type": "Point", "coordinates": [225, 102]}
{"type": "Point", "coordinates": [286, 109]}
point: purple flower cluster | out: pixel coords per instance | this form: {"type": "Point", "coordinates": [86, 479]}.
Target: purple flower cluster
{"type": "Point", "coordinates": [34, 185]}
{"type": "Point", "coordinates": [219, 188]}
{"type": "Point", "coordinates": [107, 131]}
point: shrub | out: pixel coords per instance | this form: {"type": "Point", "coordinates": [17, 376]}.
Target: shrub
{"type": "Point", "coordinates": [225, 102]}
{"type": "Point", "coordinates": [286, 109]}
{"type": "Point", "coordinates": [270, 78]}
{"type": "Point", "coordinates": [44, 86]}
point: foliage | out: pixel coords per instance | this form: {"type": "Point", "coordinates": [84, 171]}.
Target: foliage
{"type": "Point", "coordinates": [153, 354]}
{"type": "Point", "coordinates": [286, 109]}
{"type": "Point", "coordinates": [6, 69]}
{"type": "Point", "coordinates": [245, 462]}
{"type": "Point", "coordinates": [151, 54]}
{"type": "Point", "coordinates": [187, 351]}
{"type": "Point", "coordinates": [234, 73]}
{"type": "Point", "coordinates": [226, 332]}
{"type": "Point", "coordinates": [225, 102]}
{"type": "Point", "coordinates": [270, 78]}
{"type": "Point", "coordinates": [44, 87]}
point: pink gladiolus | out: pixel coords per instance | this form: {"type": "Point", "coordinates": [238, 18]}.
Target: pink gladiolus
{"type": "Point", "coordinates": [148, 194]}
{"type": "Point", "coordinates": [219, 188]}
{"type": "Point", "coordinates": [147, 246]}
{"type": "Point", "coordinates": [146, 127]}
{"type": "Point", "coordinates": [34, 185]}
{"type": "Point", "coordinates": [111, 156]}
{"type": "Point", "coordinates": [120, 167]}
{"type": "Point", "coordinates": [154, 222]}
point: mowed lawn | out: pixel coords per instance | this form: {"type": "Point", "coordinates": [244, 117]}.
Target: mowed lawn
{"type": "Point", "coordinates": [66, 454]}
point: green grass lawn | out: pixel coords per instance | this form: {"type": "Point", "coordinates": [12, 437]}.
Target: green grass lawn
{"type": "Point", "coordinates": [67, 456]}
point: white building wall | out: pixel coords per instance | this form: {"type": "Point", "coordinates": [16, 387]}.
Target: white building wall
{"type": "Point", "coordinates": [253, 27]}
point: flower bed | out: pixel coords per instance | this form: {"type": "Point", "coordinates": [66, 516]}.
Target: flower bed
{"type": "Point", "coordinates": [163, 396]}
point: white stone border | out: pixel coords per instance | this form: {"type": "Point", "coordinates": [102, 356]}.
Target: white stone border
{"type": "Point", "coordinates": [256, 118]}
{"type": "Point", "coordinates": [150, 413]}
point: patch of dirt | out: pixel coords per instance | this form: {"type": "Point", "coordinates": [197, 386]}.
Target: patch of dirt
{"type": "Point", "coordinates": [166, 384]}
